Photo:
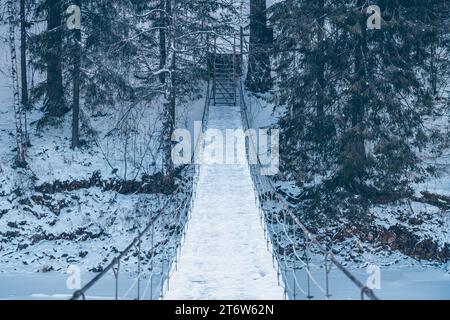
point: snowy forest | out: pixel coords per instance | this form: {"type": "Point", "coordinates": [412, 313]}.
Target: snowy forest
{"type": "Point", "coordinates": [354, 96]}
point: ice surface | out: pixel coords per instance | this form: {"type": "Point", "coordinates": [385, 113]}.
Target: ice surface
{"type": "Point", "coordinates": [396, 283]}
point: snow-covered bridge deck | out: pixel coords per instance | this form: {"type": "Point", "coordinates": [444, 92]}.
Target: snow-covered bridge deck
{"type": "Point", "coordinates": [225, 254]}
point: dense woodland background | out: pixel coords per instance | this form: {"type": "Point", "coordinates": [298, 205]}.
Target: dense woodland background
{"type": "Point", "coordinates": [363, 110]}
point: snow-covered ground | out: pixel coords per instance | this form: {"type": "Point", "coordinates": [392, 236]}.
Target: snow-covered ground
{"type": "Point", "coordinates": [225, 254]}
{"type": "Point", "coordinates": [43, 232]}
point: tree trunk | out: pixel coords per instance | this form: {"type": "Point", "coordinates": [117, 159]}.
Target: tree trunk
{"type": "Point", "coordinates": [434, 70]}
{"type": "Point", "coordinates": [76, 87]}
{"type": "Point", "coordinates": [23, 68]}
{"type": "Point", "coordinates": [258, 74]}
{"type": "Point", "coordinates": [320, 66]}
{"type": "Point", "coordinates": [355, 157]}
{"type": "Point", "coordinates": [23, 55]}
{"type": "Point", "coordinates": [162, 38]}
{"type": "Point", "coordinates": [169, 106]}
{"type": "Point", "coordinates": [55, 105]}
{"type": "Point", "coordinates": [20, 139]}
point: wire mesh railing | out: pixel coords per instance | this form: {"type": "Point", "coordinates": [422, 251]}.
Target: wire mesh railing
{"type": "Point", "coordinates": [173, 215]}
{"type": "Point", "coordinates": [292, 244]}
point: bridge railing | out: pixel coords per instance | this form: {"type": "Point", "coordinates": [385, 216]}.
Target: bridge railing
{"type": "Point", "coordinates": [292, 252]}
{"type": "Point", "coordinates": [175, 207]}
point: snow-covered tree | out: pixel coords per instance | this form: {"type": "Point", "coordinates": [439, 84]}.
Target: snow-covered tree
{"type": "Point", "coordinates": [258, 76]}
{"type": "Point", "coordinates": [356, 101]}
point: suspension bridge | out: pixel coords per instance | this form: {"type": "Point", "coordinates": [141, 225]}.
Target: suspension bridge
{"type": "Point", "coordinates": [234, 236]}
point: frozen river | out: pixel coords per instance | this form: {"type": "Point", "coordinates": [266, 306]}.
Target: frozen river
{"type": "Point", "coordinates": [396, 283]}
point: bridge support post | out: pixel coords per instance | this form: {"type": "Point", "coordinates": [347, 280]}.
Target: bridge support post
{"type": "Point", "coordinates": [327, 274]}
{"type": "Point", "coordinates": [151, 285]}
{"type": "Point", "coordinates": [294, 283]}
{"type": "Point", "coordinates": [151, 261]}
{"type": "Point", "coordinates": [241, 63]}
{"type": "Point", "coordinates": [234, 66]}
{"type": "Point", "coordinates": [214, 70]}
{"type": "Point", "coordinates": [161, 290]}
{"type": "Point", "coordinates": [116, 269]}
{"type": "Point", "coordinates": [308, 270]}
{"type": "Point", "coordinates": [168, 271]}
{"type": "Point", "coordinates": [139, 270]}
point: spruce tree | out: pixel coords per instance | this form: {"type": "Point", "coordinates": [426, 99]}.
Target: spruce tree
{"type": "Point", "coordinates": [356, 102]}
{"type": "Point", "coordinates": [259, 70]}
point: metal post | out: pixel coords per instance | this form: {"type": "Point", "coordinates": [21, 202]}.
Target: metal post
{"type": "Point", "coordinates": [278, 274]}
{"type": "Point", "coordinates": [308, 269]}
{"type": "Point", "coordinates": [162, 280]}
{"type": "Point", "coordinates": [234, 57]}
{"type": "Point", "coordinates": [363, 290]}
{"type": "Point", "coordinates": [168, 270]}
{"type": "Point", "coordinates": [151, 285]}
{"type": "Point", "coordinates": [116, 275]}
{"type": "Point", "coordinates": [294, 283]}
{"type": "Point", "coordinates": [241, 63]}
{"type": "Point", "coordinates": [234, 67]}
{"type": "Point", "coordinates": [294, 270]}
{"type": "Point", "coordinates": [139, 270]}
{"type": "Point", "coordinates": [214, 70]}
{"type": "Point", "coordinates": [151, 261]}
{"type": "Point", "coordinates": [208, 51]}
{"type": "Point", "coordinates": [176, 258]}
{"type": "Point", "coordinates": [327, 275]}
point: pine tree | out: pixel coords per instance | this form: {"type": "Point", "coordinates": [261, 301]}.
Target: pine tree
{"type": "Point", "coordinates": [55, 102]}
{"type": "Point", "coordinates": [308, 71]}
{"type": "Point", "coordinates": [258, 74]}
{"type": "Point", "coordinates": [357, 103]}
